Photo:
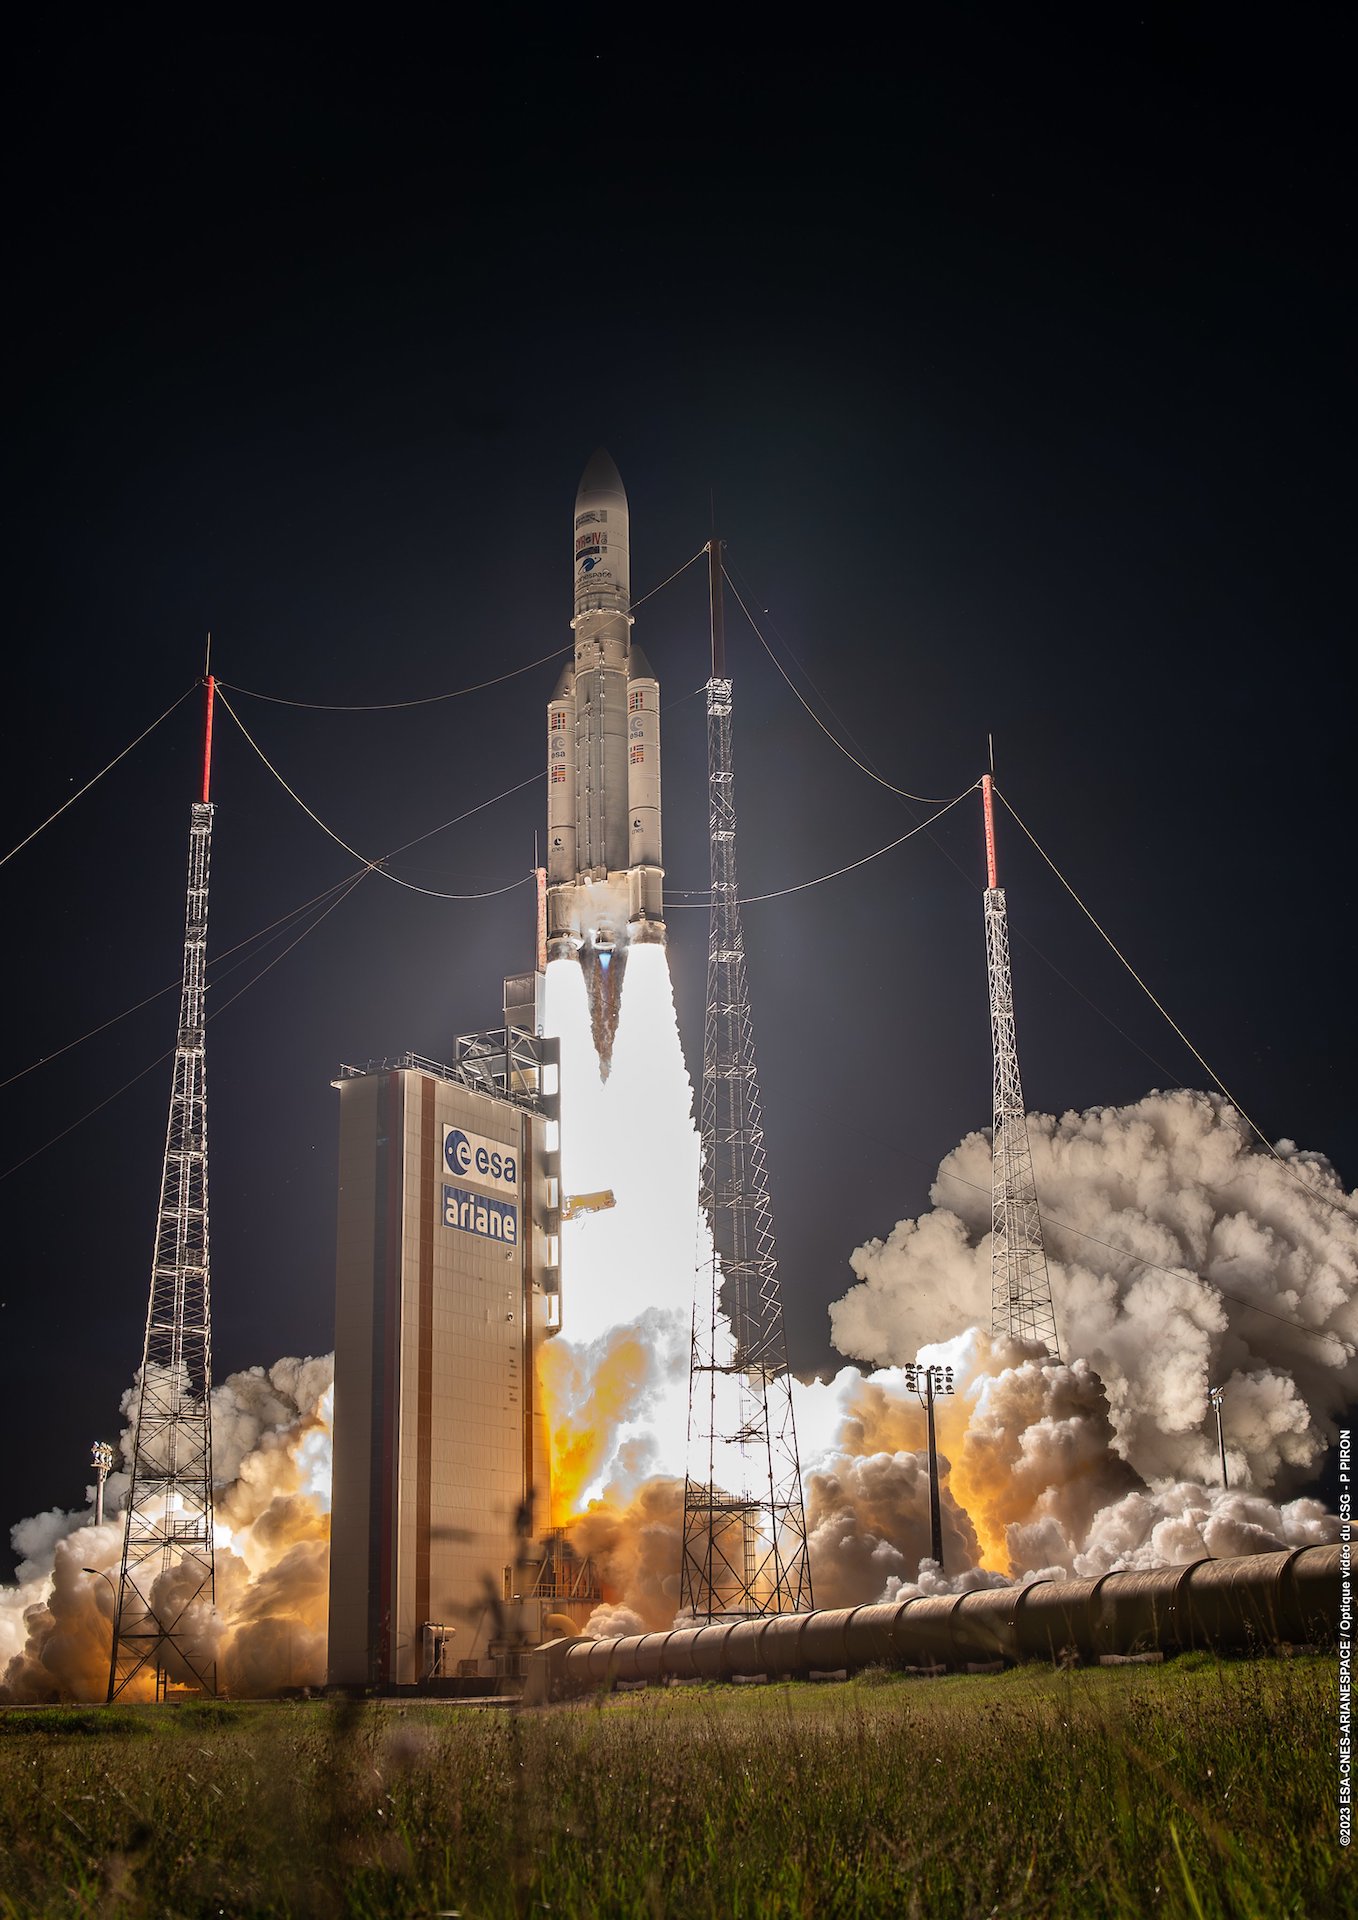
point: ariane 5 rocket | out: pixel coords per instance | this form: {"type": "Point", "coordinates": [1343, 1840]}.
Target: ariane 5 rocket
{"type": "Point", "coordinates": [605, 882]}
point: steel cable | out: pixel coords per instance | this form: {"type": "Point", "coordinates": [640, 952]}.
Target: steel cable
{"type": "Point", "coordinates": [779, 893]}
{"type": "Point", "coordinates": [99, 776]}
{"type": "Point", "coordinates": [925, 800]}
{"type": "Point", "coordinates": [159, 1060]}
{"type": "Point", "coordinates": [1217, 1081]}
{"type": "Point", "coordinates": [377, 866]}
{"type": "Point", "coordinates": [458, 693]}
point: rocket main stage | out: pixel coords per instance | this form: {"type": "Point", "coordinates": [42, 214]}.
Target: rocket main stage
{"type": "Point", "coordinates": [605, 882]}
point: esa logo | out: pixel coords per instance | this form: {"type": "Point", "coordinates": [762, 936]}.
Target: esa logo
{"type": "Point", "coordinates": [471, 1157]}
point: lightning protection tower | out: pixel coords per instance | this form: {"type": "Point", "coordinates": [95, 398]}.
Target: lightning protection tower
{"type": "Point", "coordinates": [166, 1577]}
{"type": "Point", "coordinates": [1021, 1294]}
{"type": "Point", "coordinates": [744, 1548]}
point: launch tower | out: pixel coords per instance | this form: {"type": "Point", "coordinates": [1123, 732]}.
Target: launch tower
{"type": "Point", "coordinates": [1021, 1294]}
{"type": "Point", "coordinates": [744, 1549]}
{"type": "Point", "coordinates": [166, 1581]}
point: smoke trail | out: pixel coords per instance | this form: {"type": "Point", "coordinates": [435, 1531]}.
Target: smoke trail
{"type": "Point", "coordinates": [271, 1449]}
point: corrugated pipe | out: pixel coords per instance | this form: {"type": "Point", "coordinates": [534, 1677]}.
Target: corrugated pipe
{"type": "Point", "coordinates": [1255, 1602]}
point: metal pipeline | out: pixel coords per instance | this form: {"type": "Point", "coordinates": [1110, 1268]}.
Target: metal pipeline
{"type": "Point", "coordinates": [1246, 1604]}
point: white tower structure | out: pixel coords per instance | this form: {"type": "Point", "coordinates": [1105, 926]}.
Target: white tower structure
{"type": "Point", "coordinates": [745, 1548]}
{"type": "Point", "coordinates": [1021, 1294]}
{"type": "Point", "coordinates": [166, 1578]}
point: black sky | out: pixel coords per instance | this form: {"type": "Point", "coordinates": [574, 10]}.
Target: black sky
{"type": "Point", "coordinates": [1014, 354]}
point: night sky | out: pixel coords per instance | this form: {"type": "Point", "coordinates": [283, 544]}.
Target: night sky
{"type": "Point", "coordinates": [1014, 359]}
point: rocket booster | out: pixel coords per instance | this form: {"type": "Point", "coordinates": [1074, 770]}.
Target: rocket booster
{"type": "Point", "coordinates": [605, 882]}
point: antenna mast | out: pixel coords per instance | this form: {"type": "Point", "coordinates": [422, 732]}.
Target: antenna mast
{"type": "Point", "coordinates": [1021, 1294]}
{"type": "Point", "coordinates": [166, 1582]}
{"type": "Point", "coordinates": [744, 1548]}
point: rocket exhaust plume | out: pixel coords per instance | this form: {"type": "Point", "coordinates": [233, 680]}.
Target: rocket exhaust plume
{"type": "Point", "coordinates": [605, 882]}
{"type": "Point", "coordinates": [603, 968]}
{"type": "Point", "coordinates": [615, 1379]}
{"type": "Point", "coordinates": [1102, 1463]}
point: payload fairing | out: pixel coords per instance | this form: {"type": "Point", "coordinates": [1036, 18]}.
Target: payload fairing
{"type": "Point", "coordinates": [605, 881]}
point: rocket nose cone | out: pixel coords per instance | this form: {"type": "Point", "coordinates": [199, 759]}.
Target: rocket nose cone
{"type": "Point", "coordinates": [599, 546]}
{"type": "Point", "coordinates": [601, 480]}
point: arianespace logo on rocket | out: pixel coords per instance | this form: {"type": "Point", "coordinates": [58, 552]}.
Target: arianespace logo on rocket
{"type": "Point", "coordinates": [470, 1156]}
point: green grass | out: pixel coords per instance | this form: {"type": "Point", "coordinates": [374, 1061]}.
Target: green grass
{"type": "Point", "coordinates": [1196, 1789]}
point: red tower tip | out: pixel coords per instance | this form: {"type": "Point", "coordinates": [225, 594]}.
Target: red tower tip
{"type": "Point", "coordinates": [988, 803]}
{"type": "Point", "coordinates": [211, 685]}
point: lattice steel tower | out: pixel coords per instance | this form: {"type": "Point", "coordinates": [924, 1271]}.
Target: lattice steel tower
{"type": "Point", "coordinates": [1021, 1293]}
{"type": "Point", "coordinates": [744, 1525]}
{"type": "Point", "coordinates": [166, 1577]}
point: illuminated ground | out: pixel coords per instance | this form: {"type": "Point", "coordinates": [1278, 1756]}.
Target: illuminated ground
{"type": "Point", "coordinates": [1198, 1788]}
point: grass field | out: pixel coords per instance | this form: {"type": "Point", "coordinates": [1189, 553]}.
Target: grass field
{"type": "Point", "coordinates": [1198, 1788]}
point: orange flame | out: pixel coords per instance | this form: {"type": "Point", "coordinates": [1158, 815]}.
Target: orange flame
{"type": "Point", "coordinates": [585, 1401]}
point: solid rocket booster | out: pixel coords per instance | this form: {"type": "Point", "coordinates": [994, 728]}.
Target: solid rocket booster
{"type": "Point", "coordinates": [605, 882]}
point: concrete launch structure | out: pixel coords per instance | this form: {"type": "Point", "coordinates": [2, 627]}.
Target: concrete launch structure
{"type": "Point", "coordinates": [605, 878]}
{"type": "Point", "coordinates": [450, 1207]}
{"type": "Point", "coordinates": [445, 1286]}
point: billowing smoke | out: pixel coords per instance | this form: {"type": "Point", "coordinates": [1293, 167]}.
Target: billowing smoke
{"type": "Point", "coordinates": [1028, 1455]}
{"type": "Point", "coordinates": [1106, 1459]}
{"type": "Point", "coordinates": [867, 1520]}
{"type": "Point", "coordinates": [634, 1541]}
{"type": "Point", "coordinates": [1261, 1296]}
{"type": "Point", "coordinates": [271, 1453]}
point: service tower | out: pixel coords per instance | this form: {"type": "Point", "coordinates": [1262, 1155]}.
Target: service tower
{"type": "Point", "coordinates": [446, 1284]}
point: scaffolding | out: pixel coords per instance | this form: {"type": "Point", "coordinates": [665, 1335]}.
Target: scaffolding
{"type": "Point", "coordinates": [166, 1584]}
{"type": "Point", "coordinates": [509, 1062]}
{"type": "Point", "coordinates": [744, 1529]}
{"type": "Point", "coordinates": [1021, 1295]}
{"type": "Point", "coordinates": [562, 1574]}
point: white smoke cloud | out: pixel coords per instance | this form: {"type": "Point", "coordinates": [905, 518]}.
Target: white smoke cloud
{"type": "Point", "coordinates": [867, 1522]}
{"type": "Point", "coordinates": [1171, 1179]}
{"type": "Point", "coordinates": [271, 1458]}
{"type": "Point", "coordinates": [1101, 1461]}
